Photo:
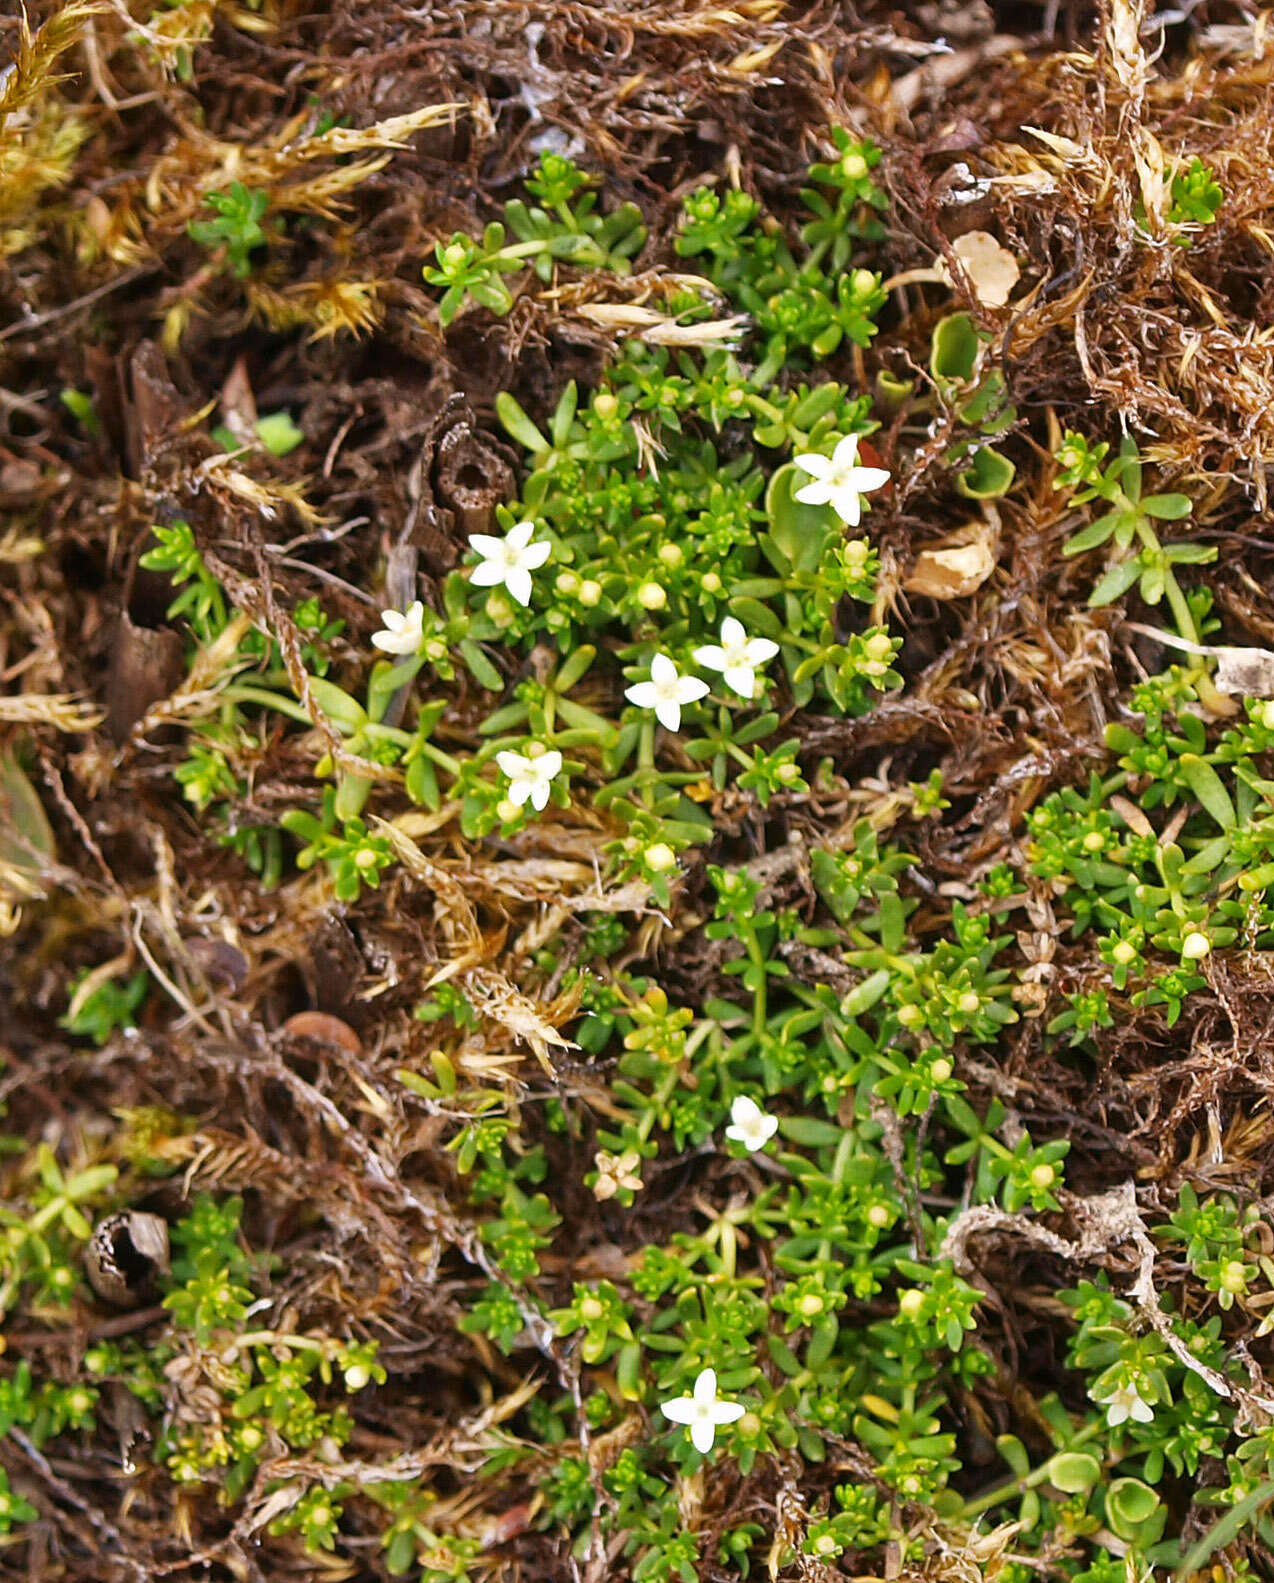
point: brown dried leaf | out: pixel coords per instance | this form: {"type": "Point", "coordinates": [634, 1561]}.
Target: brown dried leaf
{"type": "Point", "coordinates": [992, 269]}
{"type": "Point", "coordinates": [1245, 673]}
{"type": "Point", "coordinates": [957, 567]}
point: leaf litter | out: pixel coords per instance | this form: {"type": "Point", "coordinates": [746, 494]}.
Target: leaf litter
{"type": "Point", "coordinates": [377, 132]}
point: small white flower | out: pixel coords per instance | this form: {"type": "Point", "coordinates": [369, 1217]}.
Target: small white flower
{"type": "Point", "coordinates": [738, 656]}
{"type": "Point", "coordinates": [530, 776]}
{"type": "Point", "coordinates": [702, 1412]}
{"type": "Point", "coordinates": [1124, 1403]}
{"type": "Point", "coordinates": [615, 1171]}
{"type": "Point", "coordinates": [666, 691]}
{"type": "Point", "coordinates": [839, 481]}
{"type": "Point", "coordinates": [752, 1127]}
{"type": "Point", "coordinates": [510, 560]}
{"type": "Point", "coordinates": [403, 630]}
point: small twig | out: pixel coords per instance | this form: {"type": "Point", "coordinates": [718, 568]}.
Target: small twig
{"type": "Point", "coordinates": [96, 1521]}
{"type": "Point", "coordinates": [1105, 1220]}
{"type": "Point", "coordinates": [37, 321]}
{"type": "Point", "coordinates": [105, 1329]}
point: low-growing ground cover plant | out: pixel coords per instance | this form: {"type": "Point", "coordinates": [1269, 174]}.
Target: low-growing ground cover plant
{"type": "Point", "coordinates": [676, 1002]}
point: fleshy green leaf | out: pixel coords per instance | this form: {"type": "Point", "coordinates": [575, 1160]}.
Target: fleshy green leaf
{"type": "Point", "coordinates": [1209, 790]}
{"type": "Point", "coordinates": [1118, 580]}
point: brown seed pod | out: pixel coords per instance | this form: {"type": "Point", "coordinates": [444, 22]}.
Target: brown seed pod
{"type": "Point", "coordinates": [125, 1256]}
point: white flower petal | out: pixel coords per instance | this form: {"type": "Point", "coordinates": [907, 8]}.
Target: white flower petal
{"type": "Point", "coordinates": [668, 714]}
{"type": "Point", "coordinates": [644, 694]}
{"type": "Point", "coordinates": [815, 494]}
{"type": "Point", "coordinates": [711, 657]}
{"type": "Point", "coordinates": [728, 1412]}
{"type": "Point", "coordinates": [486, 545]}
{"type": "Point", "coordinates": [846, 452]}
{"type": "Point", "coordinates": [535, 555]}
{"type": "Point", "coordinates": [1142, 1411]}
{"type": "Point", "coordinates": [519, 535]}
{"type": "Point", "coordinates": [518, 581]}
{"type": "Point", "coordinates": [759, 650]}
{"type": "Point", "coordinates": [815, 465]}
{"type": "Point", "coordinates": [702, 1434]}
{"type": "Point", "coordinates": [662, 671]}
{"type": "Point", "coordinates": [690, 689]}
{"type": "Point", "coordinates": [742, 679]}
{"type": "Point", "coordinates": [682, 1411]}
{"type": "Point", "coordinates": [512, 764]}
{"type": "Point", "coordinates": [486, 574]}
{"type": "Point", "coordinates": [705, 1387]}
{"type": "Point", "coordinates": [745, 1111]}
{"type": "Point", "coordinates": [868, 478]}
{"type": "Point", "coordinates": [847, 506]}
{"type": "Point", "coordinates": [550, 763]}
{"type": "Point", "coordinates": [539, 795]}
{"type": "Point", "coordinates": [732, 632]}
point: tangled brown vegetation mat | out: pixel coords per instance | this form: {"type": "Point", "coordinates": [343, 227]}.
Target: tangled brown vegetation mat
{"type": "Point", "coordinates": [265, 1058]}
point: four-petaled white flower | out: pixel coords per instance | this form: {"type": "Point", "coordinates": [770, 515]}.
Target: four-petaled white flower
{"type": "Point", "coordinates": [530, 775]}
{"type": "Point", "coordinates": [615, 1171]}
{"type": "Point", "coordinates": [702, 1412]}
{"type": "Point", "coordinates": [1124, 1403]}
{"type": "Point", "coordinates": [509, 560]}
{"type": "Point", "coordinates": [839, 481]}
{"type": "Point", "coordinates": [403, 630]}
{"type": "Point", "coordinates": [752, 1127]}
{"type": "Point", "coordinates": [666, 691]}
{"type": "Point", "coordinates": [738, 656]}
